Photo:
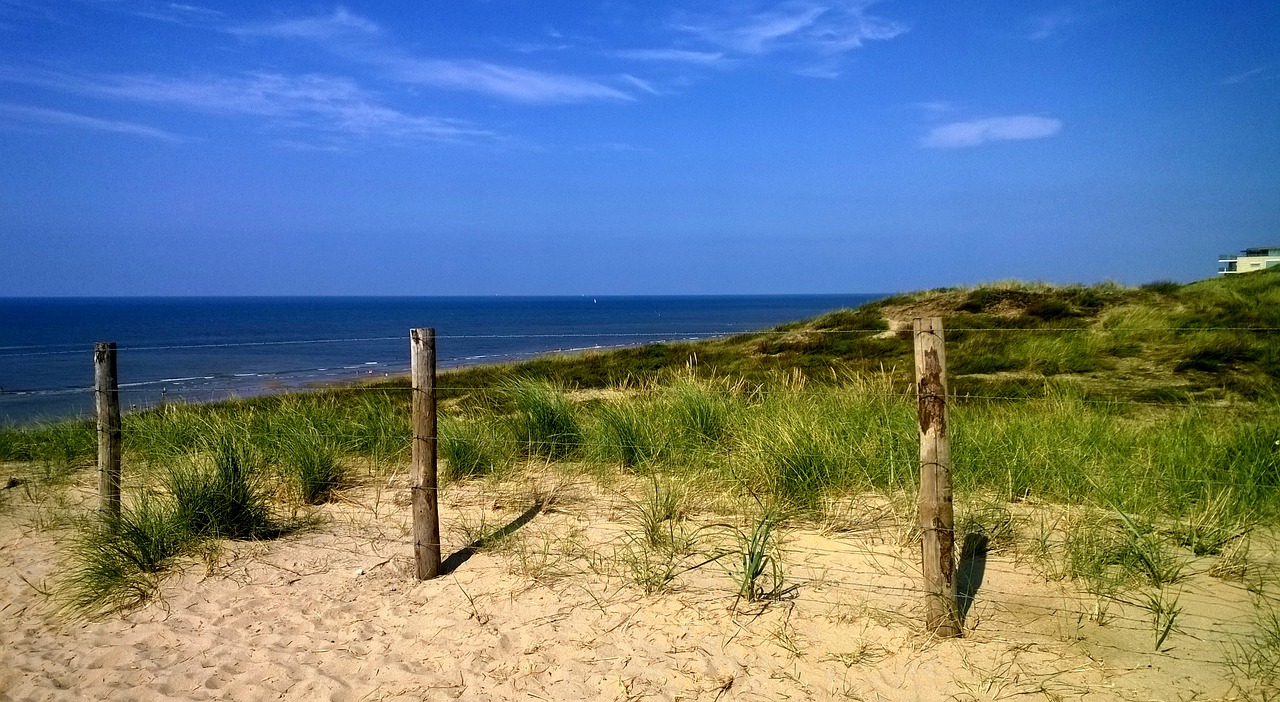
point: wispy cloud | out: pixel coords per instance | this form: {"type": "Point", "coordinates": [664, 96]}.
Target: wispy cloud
{"type": "Point", "coordinates": [702, 58]}
{"type": "Point", "coordinates": [169, 12]}
{"type": "Point", "coordinates": [759, 32]}
{"type": "Point", "coordinates": [195, 9]}
{"type": "Point", "coordinates": [40, 115]}
{"type": "Point", "coordinates": [643, 85]}
{"type": "Point", "coordinates": [345, 32]}
{"type": "Point", "coordinates": [934, 106]}
{"type": "Point", "coordinates": [981, 131]}
{"type": "Point", "coordinates": [315, 102]}
{"type": "Point", "coordinates": [822, 27]}
{"type": "Point", "coordinates": [320, 28]}
{"type": "Point", "coordinates": [1239, 78]}
{"type": "Point", "coordinates": [616, 147]}
{"type": "Point", "coordinates": [1047, 24]}
{"type": "Point", "coordinates": [535, 47]}
{"type": "Point", "coordinates": [830, 69]}
{"type": "Point", "coordinates": [309, 103]}
{"type": "Point", "coordinates": [507, 82]}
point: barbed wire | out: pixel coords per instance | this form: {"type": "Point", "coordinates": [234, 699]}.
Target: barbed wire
{"type": "Point", "coordinates": [217, 345]}
{"type": "Point", "coordinates": [347, 379]}
{"type": "Point", "coordinates": [79, 345]}
{"type": "Point", "coordinates": [658, 336]}
{"type": "Point", "coordinates": [1103, 329]}
{"type": "Point", "coordinates": [671, 335]}
{"type": "Point", "coordinates": [305, 380]}
{"type": "Point", "coordinates": [584, 451]}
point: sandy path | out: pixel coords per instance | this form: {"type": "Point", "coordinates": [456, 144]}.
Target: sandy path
{"type": "Point", "coordinates": [332, 614]}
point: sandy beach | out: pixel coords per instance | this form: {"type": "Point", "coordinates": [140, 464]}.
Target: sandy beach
{"type": "Point", "coordinates": [550, 612]}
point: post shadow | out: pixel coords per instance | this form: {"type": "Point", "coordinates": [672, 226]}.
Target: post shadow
{"type": "Point", "coordinates": [973, 565]}
{"type": "Point", "coordinates": [465, 553]}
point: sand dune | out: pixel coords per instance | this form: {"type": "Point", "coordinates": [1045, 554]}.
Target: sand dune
{"type": "Point", "coordinates": [332, 613]}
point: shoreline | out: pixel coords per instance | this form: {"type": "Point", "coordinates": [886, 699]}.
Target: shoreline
{"type": "Point", "coordinates": [209, 349]}
{"type": "Point", "coordinates": [170, 392]}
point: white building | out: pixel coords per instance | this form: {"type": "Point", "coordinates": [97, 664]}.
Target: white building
{"type": "Point", "coordinates": [1249, 260]}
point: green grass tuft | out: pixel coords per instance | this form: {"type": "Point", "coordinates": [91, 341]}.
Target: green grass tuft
{"type": "Point", "coordinates": [701, 412]}
{"type": "Point", "coordinates": [70, 444]}
{"type": "Point", "coordinates": [474, 448]}
{"type": "Point", "coordinates": [629, 432]}
{"type": "Point", "coordinates": [312, 462]}
{"type": "Point", "coordinates": [222, 497]}
{"type": "Point", "coordinates": [1255, 660]}
{"type": "Point", "coordinates": [759, 574]}
{"type": "Point", "coordinates": [116, 562]}
{"type": "Point", "coordinates": [545, 421]}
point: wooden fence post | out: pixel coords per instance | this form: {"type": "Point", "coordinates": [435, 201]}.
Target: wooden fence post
{"type": "Point", "coordinates": [937, 519]}
{"type": "Point", "coordinates": [107, 396]}
{"type": "Point", "coordinates": [426, 509]}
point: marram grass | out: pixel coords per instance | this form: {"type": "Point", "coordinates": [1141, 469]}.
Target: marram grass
{"type": "Point", "coordinates": [545, 421]}
{"type": "Point", "coordinates": [805, 417]}
{"type": "Point", "coordinates": [630, 432]}
{"type": "Point", "coordinates": [117, 561]}
{"type": "Point", "coordinates": [474, 448]}
{"type": "Point", "coordinates": [221, 495]}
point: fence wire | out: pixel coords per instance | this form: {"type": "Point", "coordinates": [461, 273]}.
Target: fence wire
{"type": "Point", "coordinates": [832, 577]}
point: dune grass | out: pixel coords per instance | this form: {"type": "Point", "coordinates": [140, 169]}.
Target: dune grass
{"type": "Point", "coordinates": [656, 551]}
{"type": "Point", "coordinates": [630, 432]}
{"type": "Point", "coordinates": [306, 450]}
{"type": "Point", "coordinates": [66, 444]}
{"type": "Point", "coordinates": [117, 562]}
{"type": "Point", "coordinates": [544, 422]}
{"type": "Point", "coordinates": [758, 572]}
{"type": "Point", "coordinates": [221, 495]}
{"type": "Point", "coordinates": [700, 411]}
{"type": "Point", "coordinates": [1177, 481]}
{"type": "Point", "coordinates": [475, 448]}
{"type": "Point", "coordinates": [1256, 659]}
{"type": "Point", "coordinates": [1153, 412]}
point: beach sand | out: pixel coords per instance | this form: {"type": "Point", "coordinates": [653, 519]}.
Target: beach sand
{"type": "Point", "coordinates": [550, 612]}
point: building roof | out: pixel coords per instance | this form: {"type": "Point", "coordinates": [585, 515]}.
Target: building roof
{"type": "Point", "coordinates": [1263, 251]}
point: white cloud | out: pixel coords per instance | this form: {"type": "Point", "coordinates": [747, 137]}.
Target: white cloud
{"type": "Point", "coordinates": [195, 9]}
{"type": "Point", "coordinates": [763, 30]}
{"type": "Point", "coordinates": [981, 131]}
{"type": "Point", "coordinates": [829, 27]}
{"type": "Point", "coordinates": [644, 85]}
{"type": "Point", "coordinates": [1044, 26]}
{"type": "Point", "coordinates": [507, 82]}
{"type": "Point", "coordinates": [168, 12]}
{"type": "Point", "coordinates": [704, 58]}
{"type": "Point", "coordinates": [1242, 77]}
{"type": "Point", "coordinates": [340, 23]}
{"type": "Point", "coordinates": [827, 69]}
{"type": "Point", "coordinates": [934, 106]}
{"type": "Point", "coordinates": [40, 115]}
{"type": "Point", "coordinates": [312, 103]}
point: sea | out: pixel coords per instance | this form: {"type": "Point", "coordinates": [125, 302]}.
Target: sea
{"type": "Point", "coordinates": [205, 349]}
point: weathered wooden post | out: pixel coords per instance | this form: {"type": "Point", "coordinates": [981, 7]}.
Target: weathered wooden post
{"type": "Point", "coordinates": [426, 509]}
{"type": "Point", "coordinates": [937, 518]}
{"type": "Point", "coordinates": [107, 399]}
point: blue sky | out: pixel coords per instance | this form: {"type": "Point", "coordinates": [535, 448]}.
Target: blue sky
{"type": "Point", "coordinates": [473, 147]}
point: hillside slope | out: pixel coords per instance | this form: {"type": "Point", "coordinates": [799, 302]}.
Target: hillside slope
{"type": "Point", "coordinates": [1213, 340]}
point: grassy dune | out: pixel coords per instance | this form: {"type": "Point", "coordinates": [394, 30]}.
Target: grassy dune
{"type": "Point", "coordinates": [1113, 435]}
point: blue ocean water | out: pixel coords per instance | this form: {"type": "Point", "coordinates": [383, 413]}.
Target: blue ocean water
{"type": "Point", "coordinates": [198, 349]}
